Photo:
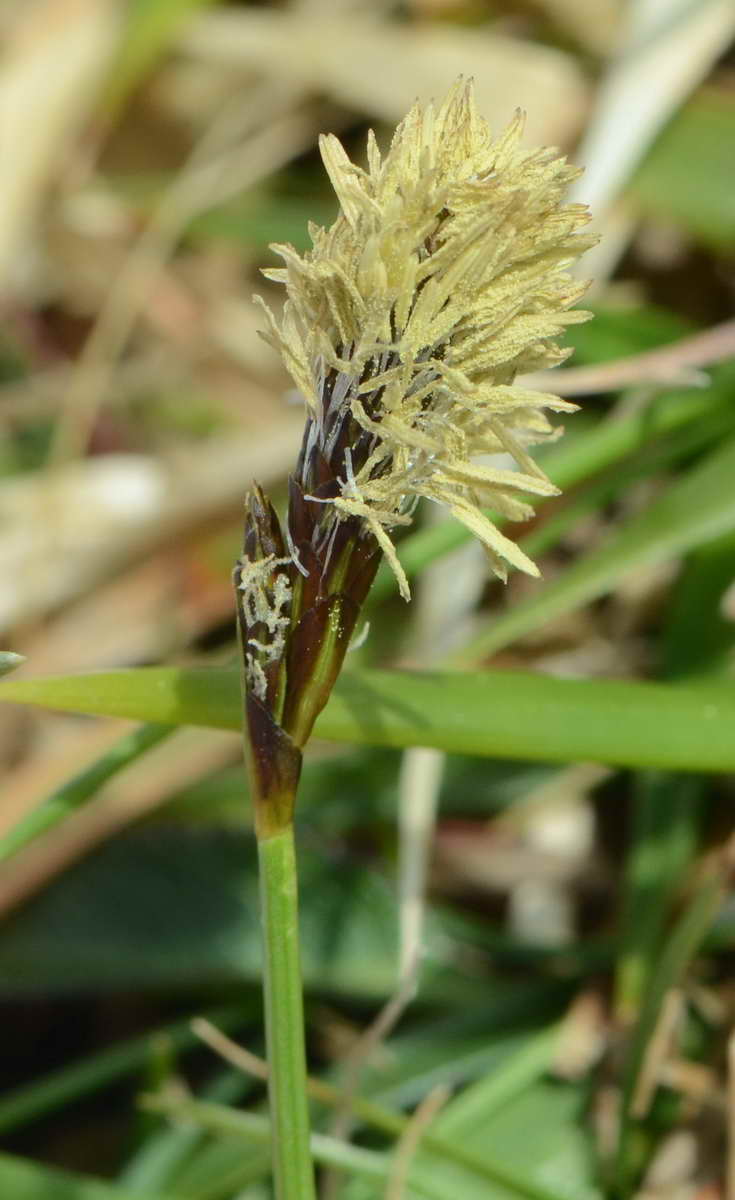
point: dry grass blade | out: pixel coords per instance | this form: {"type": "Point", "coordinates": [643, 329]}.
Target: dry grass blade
{"type": "Point", "coordinates": [659, 1048]}
{"type": "Point", "coordinates": [673, 42]}
{"type": "Point", "coordinates": [731, 1118]}
{"type": "Point", "coordinates": [381, 66]}
{"type": "Point", "coordinates": [54, 59]}
{"type": "Point", "coordinates": [593, 26]}
{"type": "Point", "coordinates": [447, 593]}
{"type": "Point", "coordinates": [66, 531]}
{"type": "Point", "coordinates": [359, 1057]}
{"type": "Point", "coordinates": [676, 364]}
{"type": "Point", "coordinates": [199, 186]}
{"type": "Point", "coordinates": [37, 394]}
{"type": "Point", "coordinates": [410, 1141]}
{"type": "Point", "coordinates": [421, 776]}
{"type": "Point", "coordinates": [388, 1121]}
{"type": "Point", "coordinates": [143, 788]}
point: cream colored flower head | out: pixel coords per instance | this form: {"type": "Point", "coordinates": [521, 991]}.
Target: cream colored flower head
{"type": "Point", "coordinates": [443, 278]}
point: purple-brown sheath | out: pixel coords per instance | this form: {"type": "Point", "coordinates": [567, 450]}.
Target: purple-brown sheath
{"type": "Point", "coordinates": [299, 593]}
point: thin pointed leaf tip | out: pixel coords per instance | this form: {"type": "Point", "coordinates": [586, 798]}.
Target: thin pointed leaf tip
{"type": "Point", "coordinates": [444, 276]}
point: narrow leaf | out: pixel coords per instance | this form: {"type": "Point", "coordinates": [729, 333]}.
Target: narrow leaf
{"type": "Point", "coordinates": [497, 714]}
{"type": "Point", "coordinates": [680, 949]}
{"type": "Point", "coordinates": [697, 508]}
{"type": "Point", "coordinates": [687, 177]}
{"type": "Point", "coordinates": [89, 1075]}
{"type": "Point", "coordinates": [9, 661]}
{"type": "Point", "coordinates": [80, 789]}
{"type": "Point", "coordinates": [576, 459]}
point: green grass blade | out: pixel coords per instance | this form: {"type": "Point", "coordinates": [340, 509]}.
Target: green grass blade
{"type": "Point", "coordinates": [227, 1120]}
{"type": "Point", "coordinates": [163, 1152]}
{"type": "Point", "coordinates": [9, 661]}
{"type": "Point", "coordinates": [575, 460]}
{"type": "Point", "coordinates": [664, 840]}
{"type": "Point", "coordinates": [697, 508]}
{"type": "Point", "coordinates": [151, 27]}
{"type": "Point", "coordinates": [681, 947]}
{"type": "Point", "coordinates": [487, 1095]}
{"type": "Point", "coordinates": [698, 638]}
{"type": "Point", "coordinates": [668, 184]}
{"type": "Point", "coordinates": [369, 1164]}
{"type": "Point", "coordinates": [80, 789]}
{"type": "Point", "coordinates": [607, 486]}
{"type": "Point", "coordinates": [21, 1179]}
{"type": "Point", "coordinates": [91, 1074]}
{"type": "Point", "coordinates": [667, 809]}
{"type": "Point", "coordinates": [499, 714]}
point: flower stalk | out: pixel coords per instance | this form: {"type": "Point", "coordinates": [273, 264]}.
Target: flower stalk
{"type": "Point", "coordinates": [444, 277]}
{"type": "Point", "coordinates": [292, 1166]}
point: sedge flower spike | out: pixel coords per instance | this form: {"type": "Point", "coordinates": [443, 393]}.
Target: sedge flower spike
{"type": "Point", "coordinates": [444, 277]}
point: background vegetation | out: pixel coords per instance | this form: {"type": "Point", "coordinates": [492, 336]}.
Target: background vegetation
{"type": "Point", "coordinates": [524, 852]}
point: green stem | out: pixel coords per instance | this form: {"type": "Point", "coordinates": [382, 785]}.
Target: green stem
{"type": "Point", "coordinates": [284, 1018]}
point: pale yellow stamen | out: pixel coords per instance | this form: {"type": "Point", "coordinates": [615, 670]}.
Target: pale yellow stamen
{"type": "Point", "coordinates": [444, 277]}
